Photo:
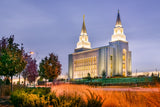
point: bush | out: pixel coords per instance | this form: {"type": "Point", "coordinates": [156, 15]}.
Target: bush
{"type": "Point", "coordinates": [28, 98]}
{"type": "Point", "coordinates": [94, 100]}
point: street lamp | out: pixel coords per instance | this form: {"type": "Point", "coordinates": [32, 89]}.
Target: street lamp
{"type": "Point", "coordinates": [31, 52]}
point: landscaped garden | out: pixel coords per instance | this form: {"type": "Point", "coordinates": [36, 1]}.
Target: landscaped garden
{"type": "Point", "coordinates": [70, 95]}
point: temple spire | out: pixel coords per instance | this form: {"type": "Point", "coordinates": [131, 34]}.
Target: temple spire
{"type": "Point", "coordinates": [83, 39]}
{"type": "Point", "coordinates": [83, 31]}
{"type": "Point", "coordinates": [118, 21]}
{"type": "Point", "coordinates": [118, 34]}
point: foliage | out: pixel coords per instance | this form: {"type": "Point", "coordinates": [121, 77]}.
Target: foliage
{"type": "Point", "coordinates": [11, 57]}
{"type": "Point", "coordinates": [39, 91]}
{"type": "Point", "coordinates": [52, 66]}
{"type": "Point", "coordinates": [152, 75]}
{"type": "Point", "coordinates": [1, 82]}
{"type": "Point", "coordinates": [41, 70]}
{"type": "Point", "coordinates": [32, 71]}
{"type": "Point", "coordinates": [113, 98]}
{"type": "Point", "coordinates": [94, 100]}
{"type": "Point", "coordinates": [116, 81]}
{"type": "Point", "coordinates": [89, 76]}
{"type": "Point", "coordinates": [32, 98]}
{"type": "Point", "coordinates": [103, 74]}
{"type": "Point", "coordinates": [129, 73]}
{"type": "Point", "coordinates": [7, 81]}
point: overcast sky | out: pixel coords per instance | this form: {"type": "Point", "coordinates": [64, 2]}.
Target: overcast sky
{"type": "Point", "coordinates": [46, 26]}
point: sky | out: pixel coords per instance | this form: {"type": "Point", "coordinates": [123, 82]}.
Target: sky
{"type": "Point", "coordinates": [46, 26]}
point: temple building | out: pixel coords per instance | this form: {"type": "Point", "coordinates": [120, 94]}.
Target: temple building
{"type": "Point", "coordinates": [113, 59]}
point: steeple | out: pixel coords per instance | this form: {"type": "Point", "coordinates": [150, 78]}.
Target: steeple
{"type": "Point", "coordinates": [118, 21]}
{"type": "Point", "coordinates": [118, 31]}
{"type": "Point", "coordinates": [83, 39]}
{"type": "Point", "coordinates": [83, 31]}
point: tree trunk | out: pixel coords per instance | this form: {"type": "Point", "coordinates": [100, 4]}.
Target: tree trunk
{"type": "Point", "coordinates": [11, 83]}
{"type": "Point", "coordinates": [19, 79]}
{"type": "Point", "coordinates": [24, 82]}
{"type": "Point", "coordinates": [45, 83]}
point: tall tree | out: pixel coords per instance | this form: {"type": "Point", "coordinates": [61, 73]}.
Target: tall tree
{"type": "Point", "coordinates": [32, 71]}
{"type": "Point", "coordinates": [11, 58]}
{"type": "Point", "coordinates": [41, 70]}
{"type": "Point", "coordinates": [52, 66]}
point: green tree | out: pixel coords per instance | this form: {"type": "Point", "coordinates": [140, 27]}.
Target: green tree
{"type": "Point", "coordinates": [52, 66]}
{"type": "Point", "coordinates": [152, 75]}
{"type": "Point", "coordinates": [103, 74]}
{"type": "Point", "coordinates": [89, 76]}
{"type": "Point", "coordinates": [41, 70]}
{"type": "Point", "coordinates": [11, 58]}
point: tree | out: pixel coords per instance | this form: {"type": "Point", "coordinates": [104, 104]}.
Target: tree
{"type": "Point", "coordinates": [103, 74]}
{"type": "Point", "coordinates": [11, 58]}
{"type": "Point", "coordinates": [152, 75]}
{"type": "Point", "coordinates": [32, 71]}
{"type": "Point", "coordinates": [89, 76]}
{"type": "Point", "coordinates": [41, 70]}
{"type": "Point", "coordinates": [52, 66]}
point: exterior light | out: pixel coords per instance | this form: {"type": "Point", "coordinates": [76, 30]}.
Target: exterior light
{"type": "Point", "coordinates": [31, 53]}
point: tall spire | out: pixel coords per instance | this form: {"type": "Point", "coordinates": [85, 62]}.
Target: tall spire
{"type": "Point", "coordinates": [83, 31]}
{"type": "Point", "coordinates": [118, 31]}
{"type": "Point", "coordinates": [83, 39]}
{"type": "Point", "coordinates": [118, 21]}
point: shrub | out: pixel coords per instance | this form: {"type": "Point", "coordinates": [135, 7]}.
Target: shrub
{"type": "Point", "coordinates": [28, 98]}
{"type": "Point", "coordinates": [94, 100]}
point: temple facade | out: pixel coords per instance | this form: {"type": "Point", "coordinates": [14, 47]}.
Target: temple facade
{"type": "Point", "coordinates": [113, 59]}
